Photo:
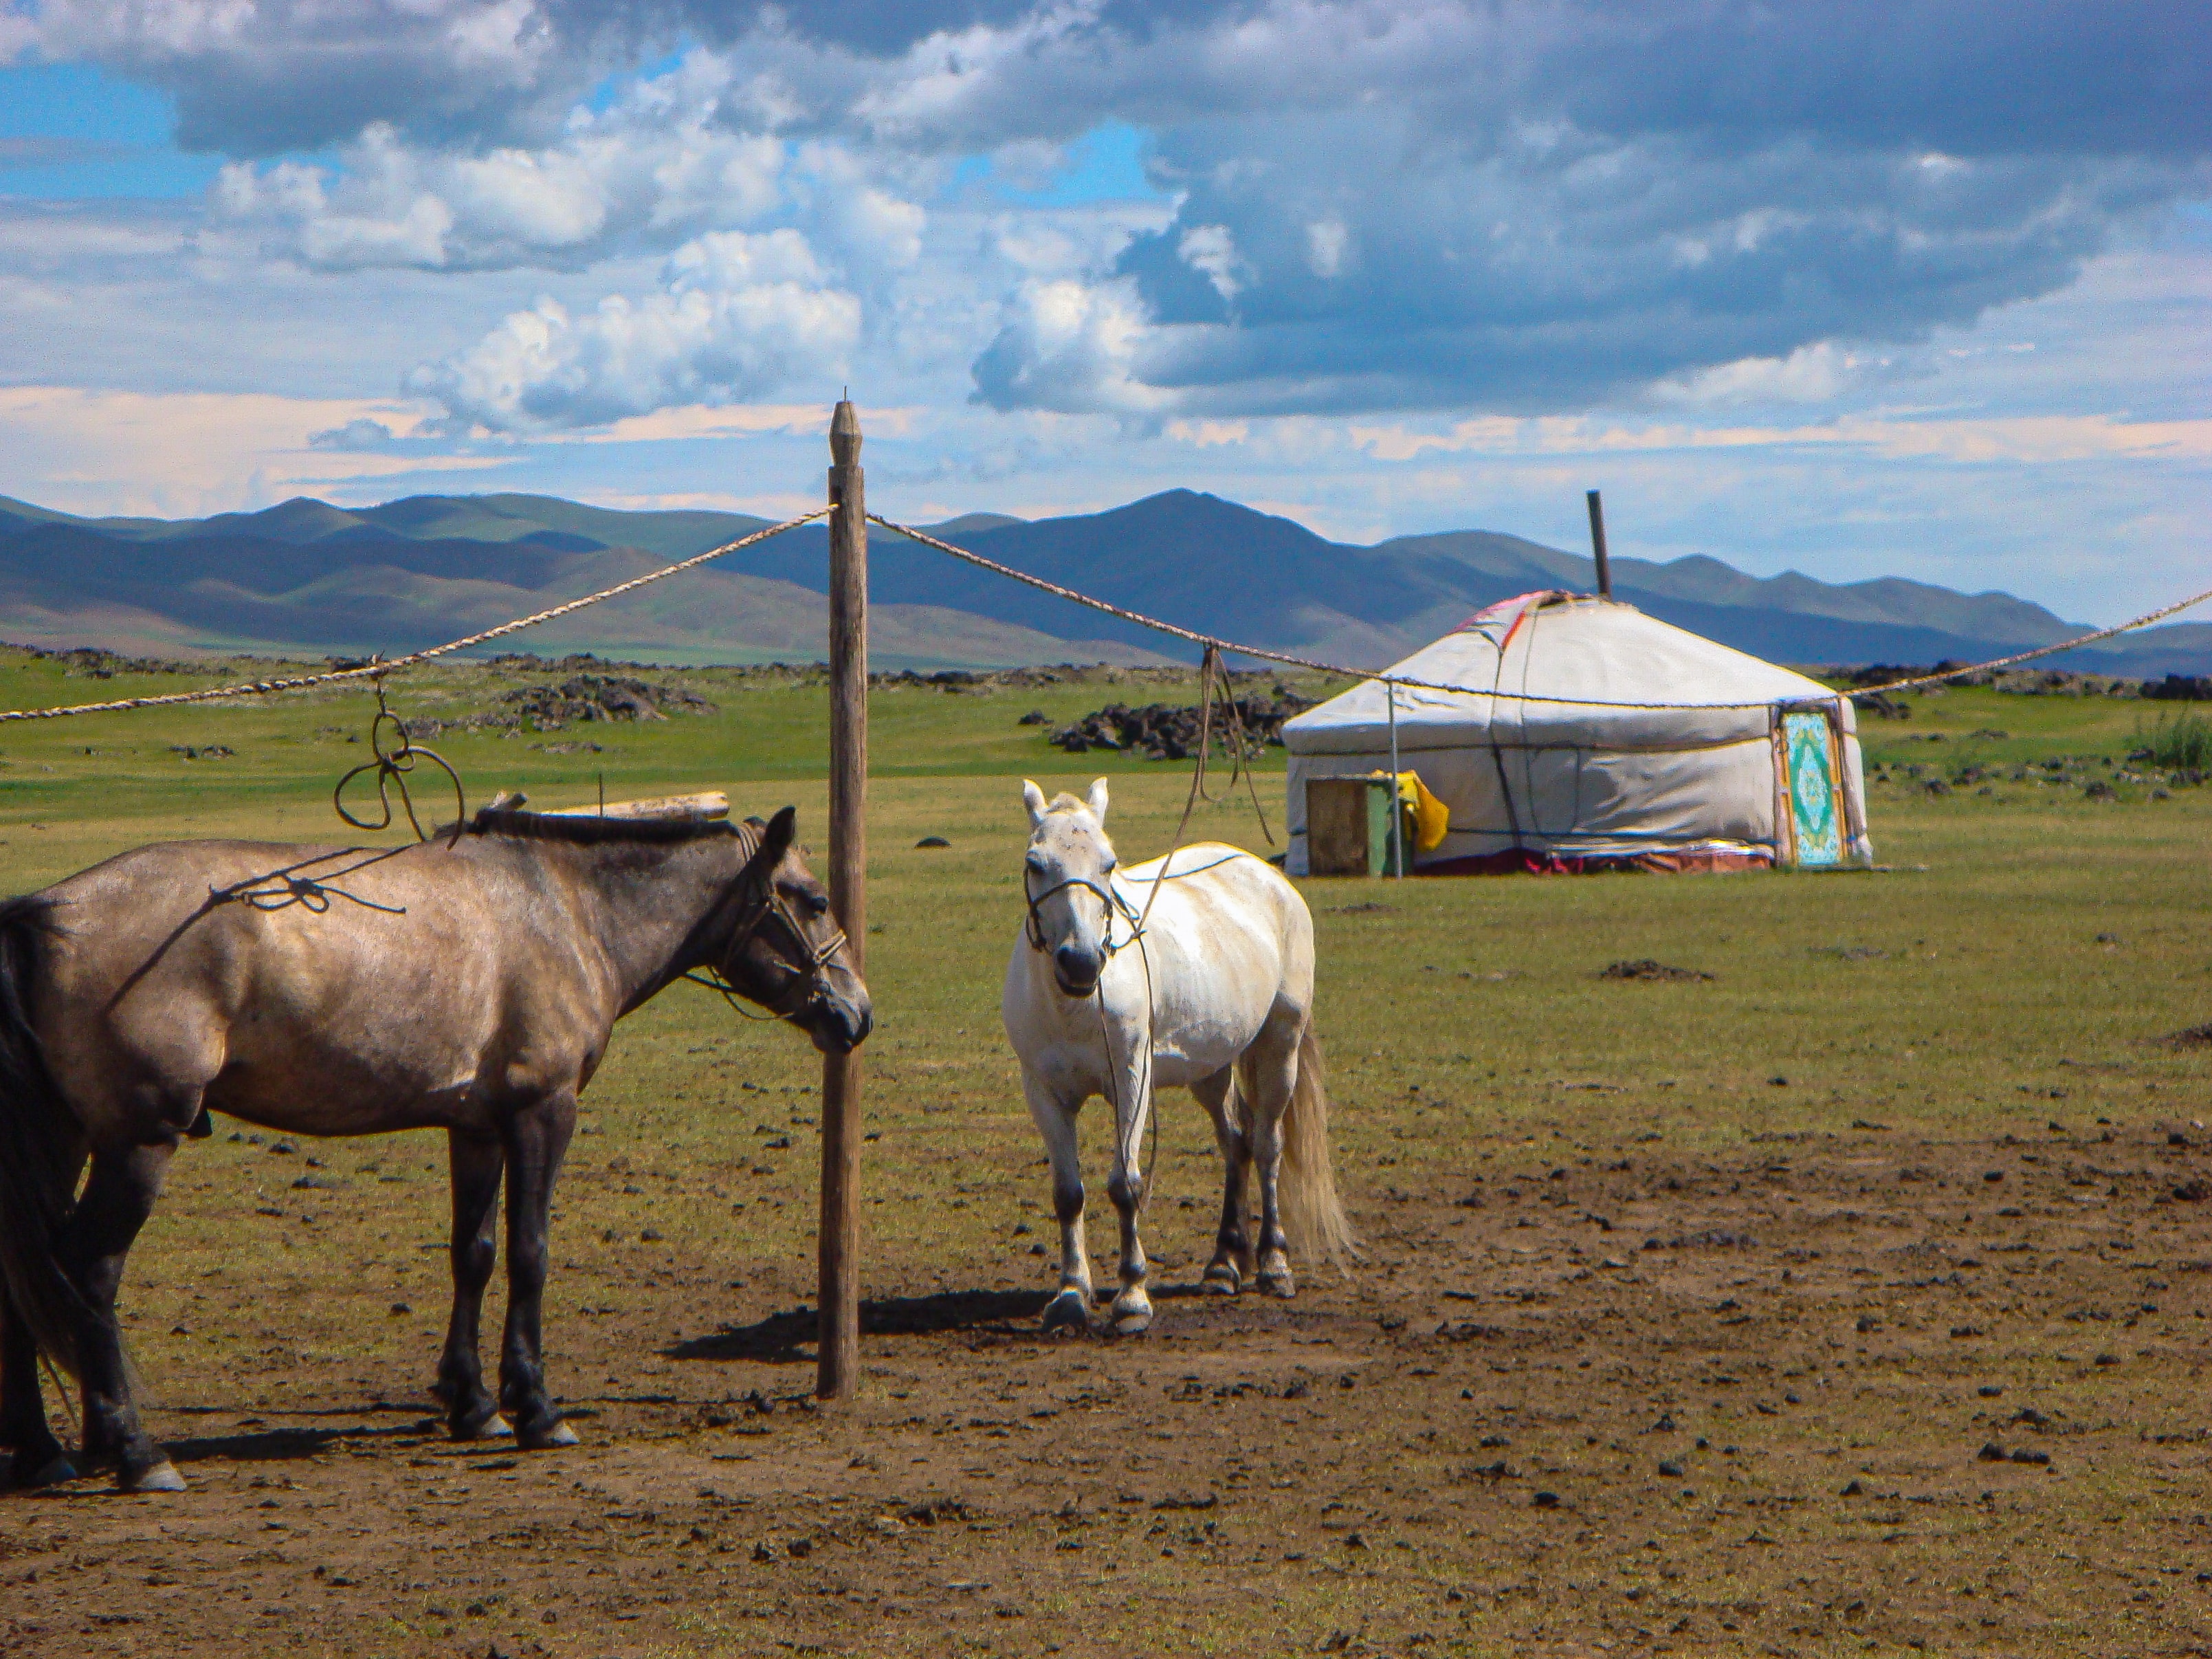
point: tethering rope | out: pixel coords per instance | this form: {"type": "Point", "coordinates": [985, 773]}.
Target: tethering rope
{"type": "Point", "coordinates": [1213, 644]}
{"type": "Point", "coordinates": [378, 669]}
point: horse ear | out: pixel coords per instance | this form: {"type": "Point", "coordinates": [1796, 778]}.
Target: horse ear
{"type": "Point", "coordinates": [1033, 798]}
{"type": "Point", "coordinates": [1097, 800]}
{"type": "Point", "coordinates": [776, 839]}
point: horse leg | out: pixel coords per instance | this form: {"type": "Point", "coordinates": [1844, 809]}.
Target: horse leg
{"type": "Point", "coordinates": [1232, 1250]}
{"type": "Point", "coordinates": [1056, 1121]}
{"type": "Point", "coordinates": [116, 1202]}
{"type": "Point", "coordinates": [1131, 1312]}
{"type": "Point", "coordinates": [477, 1164]}
{"type": "Point", "coordinates": [39, 1459]}
{"type": "Point", "coordinates": [536, 1138]}
{"type": "Point", "coordinates": [1274, 1074]}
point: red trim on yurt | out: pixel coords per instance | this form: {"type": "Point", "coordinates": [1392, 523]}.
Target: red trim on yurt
{"type": "Point", "coordinates": [1527, 861]}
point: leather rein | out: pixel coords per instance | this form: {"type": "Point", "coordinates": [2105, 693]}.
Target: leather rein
{"type": "Point", "coordinates": [805, 986]}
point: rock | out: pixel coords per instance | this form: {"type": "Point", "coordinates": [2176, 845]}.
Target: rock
{"type": "Point", "coordinates": [2193, 1192]}
{"type": "Point", "coordinates": [1035, 717]}
{"type": "Point", "coordinates": [1165, 731]}
{"type": "Point", "coordinates": [1992, 1453]}
{"type": "Point", "coordinates": [931, 841]}
{"type": "Point", "coordinates": [1546, 1500]}
{"type": "Point", "coordinates": [2178, 687]}
{"type": "Point", "coordinates": [1646, 968]}
{"type": "Point", "coordinates": [1670, 1468]}
{"type": "Point", "coordinates": [581, 697]}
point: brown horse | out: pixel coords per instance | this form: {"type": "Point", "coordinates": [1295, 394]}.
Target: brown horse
{"type": "Point", "coordinates": [469, 984]}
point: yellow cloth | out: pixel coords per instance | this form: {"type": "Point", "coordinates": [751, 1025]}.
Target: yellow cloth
{"type": "Point", "coordinates": [1428, 817]}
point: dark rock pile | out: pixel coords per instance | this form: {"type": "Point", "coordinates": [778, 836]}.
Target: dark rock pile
{"type": "Point", "coordinates": [584, 697]}
{"type": "Point", "coordinates": [2179, 688]}
{"type": "Point", "coordinates": [94, 663]}
{"type": "Point", "coordinates": [1163, 731]}
{"type": "Point", "coordinates": [602, 697]}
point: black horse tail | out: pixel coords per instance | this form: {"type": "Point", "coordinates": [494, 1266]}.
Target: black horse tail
{"type": "Point", "coordinates": [39, 1153]}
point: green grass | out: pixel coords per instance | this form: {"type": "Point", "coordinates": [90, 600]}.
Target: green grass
{"type": "Point", "coordinates": [2179, 739]}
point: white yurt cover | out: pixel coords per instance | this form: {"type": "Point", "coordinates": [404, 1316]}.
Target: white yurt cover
{"type": "Point", "coordinates": [1589, 735]}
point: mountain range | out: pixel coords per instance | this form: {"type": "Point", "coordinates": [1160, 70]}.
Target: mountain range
{"type": "Point", "coordinates": [307, 578]}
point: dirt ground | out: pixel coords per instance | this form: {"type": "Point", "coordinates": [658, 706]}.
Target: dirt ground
{"type": "Point", "coordinates": [1857, 1391]}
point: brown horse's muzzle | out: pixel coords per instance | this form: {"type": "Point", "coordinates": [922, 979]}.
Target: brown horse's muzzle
{"type": "Point", "coordinates": [840, 1019]}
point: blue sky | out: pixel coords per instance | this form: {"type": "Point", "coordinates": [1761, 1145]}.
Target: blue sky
{"type": "Point", "coordinates": [1915, 288]}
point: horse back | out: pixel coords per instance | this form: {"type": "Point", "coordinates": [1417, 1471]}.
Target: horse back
{"type": "Point", "coordinates": [312, 987]}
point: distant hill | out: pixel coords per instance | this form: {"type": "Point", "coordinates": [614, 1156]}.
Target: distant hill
{"type": "Point", "coordinates": [306, 576]}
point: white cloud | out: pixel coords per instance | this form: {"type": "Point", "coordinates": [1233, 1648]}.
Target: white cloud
{"type": "Point", "coordinates": [1067, 340]}
{"type": "Point", "coordinates": [1325, 242]}
{"type": "Point", "coordinates": [1815, 373]}
{"type": "Point", "coordinates": [188, 453]}
{"type": "Point", "coordinates": [656, 166]}
{"type": "Point", "coordinates": [738, 317]}
{"type": "Point", "coordinates": [1998, 440]}
{"type": "Point", "coordinates": [1211, 250]}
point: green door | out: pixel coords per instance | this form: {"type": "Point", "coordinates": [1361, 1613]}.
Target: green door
{"type": "Point", "coordinates": [1809, 742]}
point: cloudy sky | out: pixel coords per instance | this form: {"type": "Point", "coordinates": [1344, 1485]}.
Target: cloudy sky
{"type": "Point", "coordinates": [1917, 288]}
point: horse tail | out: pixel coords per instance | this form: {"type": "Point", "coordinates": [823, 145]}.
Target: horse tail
{"type": "Point", "coordinates": [1306, 1187]}
{"type": "Point", "coordinates": [39, 1152]}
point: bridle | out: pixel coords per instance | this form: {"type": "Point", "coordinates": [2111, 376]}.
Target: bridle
{"type": "Point", "coordinates": [1113, 901]}
{"type": "Point", "coordinates": [807, 985]}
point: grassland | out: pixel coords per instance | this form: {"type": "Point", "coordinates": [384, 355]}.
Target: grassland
{"type": "Point", "coordinates": [1806, 1139]}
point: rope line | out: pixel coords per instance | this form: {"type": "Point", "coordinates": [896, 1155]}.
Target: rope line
{"type": "Point", "coordinates": [376, 669]}
{"type": "Point", "coordinates": [1213, 644]}
{"type": "Point", "coordinates": [2143, 620]}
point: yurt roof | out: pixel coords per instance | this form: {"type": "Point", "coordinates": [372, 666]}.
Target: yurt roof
{"type": "Point", "coordinates": [1563, 669]}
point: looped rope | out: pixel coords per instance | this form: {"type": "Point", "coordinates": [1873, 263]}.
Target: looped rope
{"type": "Point", "coordinates": [281, 889]}
{"type": "Point", "coordinates": [392, 767]}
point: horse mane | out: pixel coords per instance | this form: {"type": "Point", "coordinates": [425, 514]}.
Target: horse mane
{"type": "Point", "coordinates": [592, 830]}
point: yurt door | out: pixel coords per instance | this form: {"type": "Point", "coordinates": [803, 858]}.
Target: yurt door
{"type": "Point", "coordinates": [1808, 757]}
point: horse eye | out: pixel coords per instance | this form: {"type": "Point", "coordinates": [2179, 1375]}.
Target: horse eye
{"type": "Point", "coordinates": [817, 904]}
{"type": "Point", "coordinates": [1036, 862]}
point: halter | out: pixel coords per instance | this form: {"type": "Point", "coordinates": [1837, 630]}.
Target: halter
{"type": "Point", "coordinates": [1113, 902]}
{"type": "Point", "coordinates": [810, 982]}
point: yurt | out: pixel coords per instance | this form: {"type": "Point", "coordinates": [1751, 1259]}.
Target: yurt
{"type": "Point", "coordinates": [1581, 734]}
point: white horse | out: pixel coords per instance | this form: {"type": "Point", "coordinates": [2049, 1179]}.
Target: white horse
{"type": "Point", "coordinates": [1214, 994]}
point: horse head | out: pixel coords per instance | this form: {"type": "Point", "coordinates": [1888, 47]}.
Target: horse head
{"type": "Point", "coordinates": [785, 950]}
{"type": "Point", "coordinates": [1067, 878]}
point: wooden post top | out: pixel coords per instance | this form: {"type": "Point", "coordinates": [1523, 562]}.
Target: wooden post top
{"type": "Point", "coordinates": [845, 434]}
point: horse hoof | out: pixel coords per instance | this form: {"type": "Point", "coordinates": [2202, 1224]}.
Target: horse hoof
{"type": "Point", "coordinates": [53, 1472]}
{"type": "Point", "coordinates": [551, 1438]}
{"type": "Point", "coordinates": [1279, 1282]}
{"type": "Point", "coordinates": [486, 1425]}
{"type": "Point", "coordinates": [1066, 1312]}
{"type": "Point", "coordinates": [1221, 1278]}
{"type": "Point", "coordinates": [155, 1477]}
{"type": "Point", "coordinates": [1135, 1322]}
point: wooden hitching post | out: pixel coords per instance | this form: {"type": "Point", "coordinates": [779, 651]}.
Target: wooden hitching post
{"type": "Point", "coordinates": [839, 1242]}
